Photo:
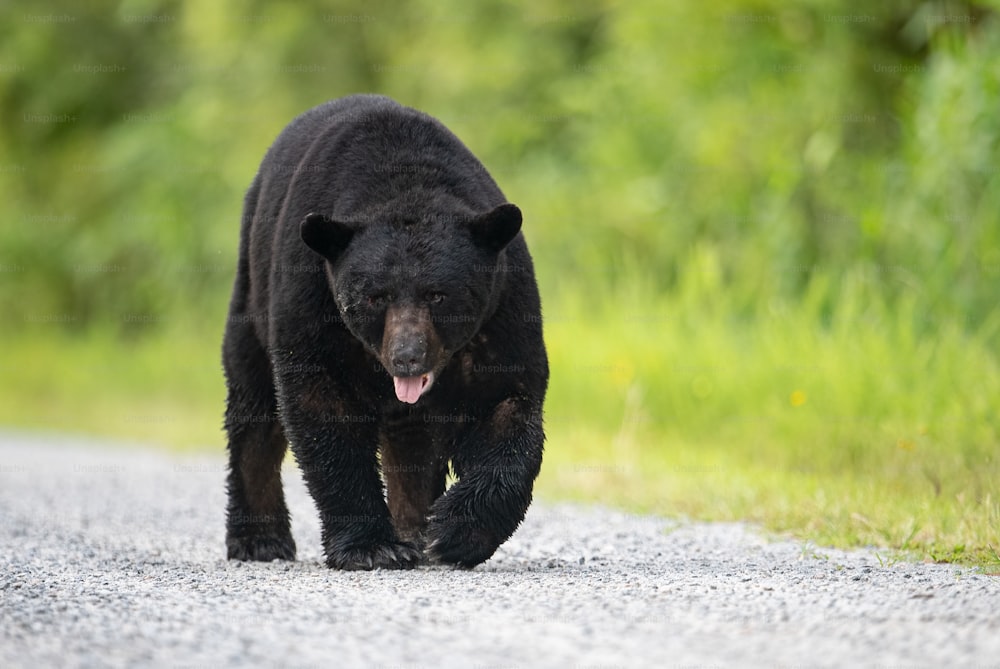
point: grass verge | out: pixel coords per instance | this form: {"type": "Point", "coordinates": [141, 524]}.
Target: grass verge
{"type": "Point", "coordinates": [859, 425]}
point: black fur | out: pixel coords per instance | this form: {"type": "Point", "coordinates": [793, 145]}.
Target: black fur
{"type": "Point", "coordinates": [375, 244]}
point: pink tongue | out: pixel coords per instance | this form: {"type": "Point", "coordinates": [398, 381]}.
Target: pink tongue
{"type": "Point", "coordinates": [408, 388]}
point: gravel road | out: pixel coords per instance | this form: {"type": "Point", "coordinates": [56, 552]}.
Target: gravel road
{"type": "Point", "coordinates": [114, 556]}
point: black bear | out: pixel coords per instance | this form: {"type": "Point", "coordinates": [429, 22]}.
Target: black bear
{"type": "Point", "coordinates": [385, 322]}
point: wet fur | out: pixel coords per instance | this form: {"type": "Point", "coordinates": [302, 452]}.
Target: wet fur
{"type": "Point", "coordinates": [304, 356]}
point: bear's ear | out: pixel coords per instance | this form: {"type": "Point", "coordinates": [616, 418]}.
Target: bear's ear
{"type": "Point", "coordinates": [325, 236]}
{"type": "Point", "coordinates": [496, 229]}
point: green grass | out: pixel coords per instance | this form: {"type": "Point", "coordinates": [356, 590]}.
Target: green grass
{"type": "Point", "coordinates": [862, 425]}
{"type": "Point", "coordinates": [878, 428]}
{"type": "Point", "coordinates": [166, 389]}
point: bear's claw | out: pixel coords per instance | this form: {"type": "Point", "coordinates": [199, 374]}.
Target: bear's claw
{"type": "Point", "coordinates": [458, 543]}
{"type": "Point", "coordinates": [260, 548]}
{"type": "Point", "coordinates": [381, 556]}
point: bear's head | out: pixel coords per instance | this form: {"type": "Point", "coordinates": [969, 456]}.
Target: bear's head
{"type": "Point", "coordinates": [414, 289]}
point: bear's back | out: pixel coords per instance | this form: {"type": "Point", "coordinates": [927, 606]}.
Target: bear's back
{"type": "Point", "coordinates": [294, 142]}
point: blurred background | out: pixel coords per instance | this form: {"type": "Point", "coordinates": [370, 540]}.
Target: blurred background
{"type": "Point", "coordinates": [766, 233]}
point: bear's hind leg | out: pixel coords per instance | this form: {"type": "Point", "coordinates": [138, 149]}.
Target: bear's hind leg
{"type": "Point", "coordinates": [414, 477]}
{"type": "Point", "coordinates": [257, 523]}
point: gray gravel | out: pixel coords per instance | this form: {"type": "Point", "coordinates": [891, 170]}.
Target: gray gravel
{"type": "Point", "coordinates": [115, 557]}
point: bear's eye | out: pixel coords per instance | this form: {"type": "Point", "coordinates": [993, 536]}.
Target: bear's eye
{"type": "Point", "coordinates": [377, 299]}
{"type": "Point", "coordinates": [435, 297]}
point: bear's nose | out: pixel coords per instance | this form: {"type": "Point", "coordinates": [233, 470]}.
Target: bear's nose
{"type": "Point", "coordinates": [408, 358]}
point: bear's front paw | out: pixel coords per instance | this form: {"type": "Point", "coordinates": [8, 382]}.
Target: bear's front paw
{"type": "Point", "coordinates": [395, 555]}
{"type": "Point", "coordinates": [459, 541]}
{"type": "Point", "coordinates": [260, 548]}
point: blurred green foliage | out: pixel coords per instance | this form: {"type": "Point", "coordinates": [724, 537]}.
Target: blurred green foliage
{"type": "Point", "coordinates": [816, 139]}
